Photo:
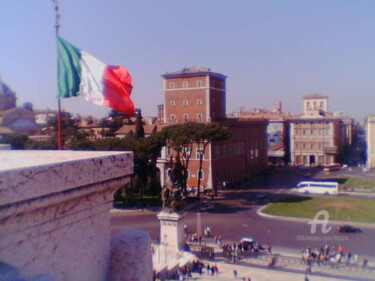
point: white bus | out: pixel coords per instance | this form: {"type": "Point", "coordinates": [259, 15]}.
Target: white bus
{"type": "Point", "coordinates": [318, 187]}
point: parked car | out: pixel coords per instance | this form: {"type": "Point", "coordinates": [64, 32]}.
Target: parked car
{"type": "Point", "coordinates": [348, 228]}
{"type": "Point", "coordinates": [249, 244]}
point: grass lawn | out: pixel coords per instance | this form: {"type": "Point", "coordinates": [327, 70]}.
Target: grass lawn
{"type": "Point", "coordinates": [339, 208]}
{"type": "Point", "coordinates": [353, 181]}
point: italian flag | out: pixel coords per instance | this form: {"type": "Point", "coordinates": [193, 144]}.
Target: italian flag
{"type": "Point", "coordinates": [79, 73]}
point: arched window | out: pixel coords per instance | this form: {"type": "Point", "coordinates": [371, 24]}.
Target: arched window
{"type": "Point", "coordinates": [199, 83]}
{"type": "Point", "coordinates": [199, 102]}
{"type": "Point", "coordinates": [172, 103]}
{"type": "Point", "coordinates": [185, 84]}
{"type": "Point", "coordinates": [185, 102]}
{"type": "Point", "coordinates": [172, 85]}
{"type": "Point", "coordinates": [186, 117]}
{"type": "Point", "coordinates": [200, 117]}
{"type": "Point", "coordinates": [173, 117]}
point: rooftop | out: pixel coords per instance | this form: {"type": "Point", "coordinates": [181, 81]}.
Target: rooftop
{"type": "Point", "coordinates": [192, 71]}
{"type": "Point", "coordinates": [315, 96]}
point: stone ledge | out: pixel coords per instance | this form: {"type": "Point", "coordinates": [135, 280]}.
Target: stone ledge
{"type": "Point", "coordinates": [30, 174]}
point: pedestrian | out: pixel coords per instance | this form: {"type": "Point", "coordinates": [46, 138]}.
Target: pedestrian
{"type": "Point", "coordinates": [248, 279]}
{"type": "Point", "coordinates": [235, 274]}
{"type": "Point", "coordinates": [212, 270]}
{"type": "Point", "coordinates": [348, 256]}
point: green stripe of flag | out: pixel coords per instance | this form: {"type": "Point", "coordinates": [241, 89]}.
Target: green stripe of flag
{"type": "Point", "coordinates": [68, 69]}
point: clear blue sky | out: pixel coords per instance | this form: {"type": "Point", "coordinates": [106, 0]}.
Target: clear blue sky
{"type": "Point", "coordinates": [269, 49]}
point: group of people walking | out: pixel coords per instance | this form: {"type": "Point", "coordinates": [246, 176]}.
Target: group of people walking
{"type": "Point", "coordinates": [330, 253]}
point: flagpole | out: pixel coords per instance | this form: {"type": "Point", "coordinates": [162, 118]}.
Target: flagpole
{"type": "Point", "coordinates": [59, 126]}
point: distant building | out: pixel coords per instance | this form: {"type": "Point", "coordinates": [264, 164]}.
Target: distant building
{"type": "Point", "coordinates": [199, 95]}
{"type": "Point", "coordinates": [317, 137]}
{"type": "Point", "coordinates": [277, 130]}
{"type": "Point", "coordinates": [12, 118]}
{"type": "Point", "coordinates": [371, 141]}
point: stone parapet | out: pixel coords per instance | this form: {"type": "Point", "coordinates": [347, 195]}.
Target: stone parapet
{"type": "Point", "coordinates": [54, 211]}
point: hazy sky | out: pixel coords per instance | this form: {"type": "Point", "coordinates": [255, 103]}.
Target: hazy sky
{"type": "Point", "coordinates": [270, 50]}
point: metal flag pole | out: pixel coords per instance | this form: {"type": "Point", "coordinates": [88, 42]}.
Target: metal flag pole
{"type": "Point", "coordinates": [59, 121]}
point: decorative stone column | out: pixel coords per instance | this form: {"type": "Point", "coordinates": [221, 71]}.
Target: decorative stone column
{"type": "Point", "coordinates": [172, 230]}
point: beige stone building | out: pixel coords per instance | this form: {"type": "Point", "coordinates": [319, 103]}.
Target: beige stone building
{"type": "Point", "coordinates": [317, 137]}
{"type": "Point", "coordinates": [14, 119]}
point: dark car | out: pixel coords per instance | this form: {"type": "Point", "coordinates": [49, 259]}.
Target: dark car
{"type": "Point", "coordinates": [348, 228]}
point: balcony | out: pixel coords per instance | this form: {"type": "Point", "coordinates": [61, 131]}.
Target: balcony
{"type": "Point", "coordinates": [330, 149]}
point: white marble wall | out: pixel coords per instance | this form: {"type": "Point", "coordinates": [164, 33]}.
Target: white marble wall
{"type": "Point", "coordinates": [172, 230]}
{"type": "Point", "coordinates": [54, 211]}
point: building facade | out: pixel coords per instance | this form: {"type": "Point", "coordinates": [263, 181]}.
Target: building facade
{"type": "Point", "coordinates": [199, 95]}
{"type": "Point", "coordinates": [317, 137]}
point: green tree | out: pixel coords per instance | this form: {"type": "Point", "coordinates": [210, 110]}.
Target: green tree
{"type": "Point", "coordinates": [16, 141]}
{"type": "Point", "coordinates": [113, 122]}
{"type": "Point", "coordinates": [205, 135]}
{"type": "Point", "coordinates": [182, 137]}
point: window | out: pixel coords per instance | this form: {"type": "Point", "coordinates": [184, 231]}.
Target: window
{"type": "Point", "coordinates": [172, 103]}
{"type": "Point", "coordinates": [199, 151]}
{"type": "Point", "coordinates": [185, 84]}
{"type": "Point", "coordinates": [199, 102]}
{"type": "Point", "coordinates": [185, 102]}
{"type": "Point", "coordinates": [186, 152]}
{"type": "Point", "coordinates": [199, 83]}
{"type": "Point", "coordinates": [171, 85]}
{"type": "Point", "coordinates": [200, 117]}
{"type": "Point", "coordinates": [173, 117]}
{"type": "Point", "coordinates": [186, 117]}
